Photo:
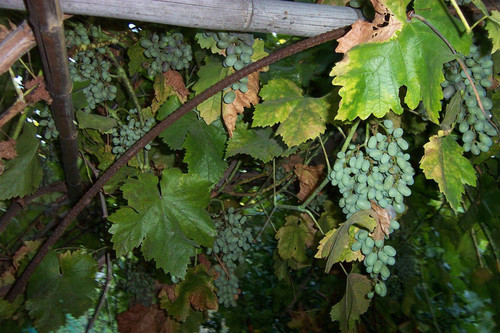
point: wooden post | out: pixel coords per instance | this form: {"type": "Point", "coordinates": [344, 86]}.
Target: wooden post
{"type": "Point", "coordinates": [47, 20]}
{"type": "Point", "coordinates": [282, 17]}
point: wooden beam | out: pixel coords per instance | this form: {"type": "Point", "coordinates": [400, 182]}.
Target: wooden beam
{"type": "Point", "coordinates": [282, 17]}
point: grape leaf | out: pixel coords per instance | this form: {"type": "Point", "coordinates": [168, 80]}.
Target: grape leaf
{"type": "Point", "coordinates": [175, 134]}
{"type": "Point", "coordinates": [207, 43]}
{"type": "Point", "coordinates": [256, 142]}
{"type": "Point", "coordinates": [354, 303]}
{"type": "Point", "coordinates": [22, 174]}
{"type": "Point", "coordinates": [62, 284]}
{"type": "Point", "coordinates": [169, 223]}
{"type": "Point", "coordinates": [309, 178]}
{"type": "Point", "coordinates": [94, 121]}
{"type": "Point", "coordinates": [196, 290]}
{"type": "Point", "coordinates": [209, 74]}
{"type": "Point", "coordinates": [336, 245]}
{"type": "Point", "coordinates": [302, 118]}
{"type": "Point", "coordinates": [137, 58]}
{"type": "Point", "coordinates": [140, 318]}
{"type": "Point", "coordinates": [493, 27]}
{"type": "Point", "coordinates": [380, 29]}
{"type": "Point", "coordinates": [205, 146]}
{"type": "Point", "coordinates": [444, 163]}
{"type": "Point", "coordinates": [204, 143]}
{"type": "Point", "coordinates": [294, 238]}
{"type": "Point", "coordinates": [372, 74]}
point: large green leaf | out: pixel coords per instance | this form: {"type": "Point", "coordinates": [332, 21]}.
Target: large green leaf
{"type": "Point", "coordinates": [256, 142]}
{"type": "Point", "coordinates": [354, 303]}
{"type": "Point", "coordinates": [372, 74]}
{"type": "Point", "coordinates": [444, 163]}
{"type": "Point", "coordinates": [302, 118]}
{"type": "Point", "coordinates": [336, 245]}
{"type": "Point", "coordinates": [209, 74]}
{"type": "Point", "coordinates": [168, 223]}
{"type": "Point", "coordinates": [22, 174]}
{"type": "Point", "coordinates": [62, 284]}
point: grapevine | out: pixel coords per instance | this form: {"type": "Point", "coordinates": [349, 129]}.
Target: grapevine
{"type": "Point", "coordinates": [231, 242]}
{"type": "Point", "coordinates": [475, 126]}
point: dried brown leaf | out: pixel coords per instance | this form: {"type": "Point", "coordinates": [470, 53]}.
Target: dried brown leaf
{"type": "Point", "coordinates": [382, 28]}
{"type": "Point", "coordinates": [231, 111]}
{"type": "Point", "coordinates": [174, 79]}
{"type": "Point", "coordinates": [140, 318]}
{"type": "Point", "coordinates": [40, 93]}
{"type": "Point", "coordinates": [383, 221]}
{"type": "Point", "coordinates": [290, 162]}
{"type": "Point", "coordinates": [309, 178]}
{"type": "Point", "coordinates": [8, 149]}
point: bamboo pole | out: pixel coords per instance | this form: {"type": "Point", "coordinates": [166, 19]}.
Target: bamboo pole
{"type": "Point", "coordinates": [282, 17]}
{"type": "Point", "coordinates": [47, 20]}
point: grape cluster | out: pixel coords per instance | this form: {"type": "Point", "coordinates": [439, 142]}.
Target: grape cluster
{"type": "Point", "coordinates": [381, 174]}
{"type": "Point", "coordinates": [76, 37]}
{"type": "Point", "coordinates": [168, 52]}
{"type": "Point", "coordinates": [475, 126]}
{"type": "Point", "coordinates": [238, 49]}
{"type": "Point", "coordinates": [377, 258]}
{"type": "Point", "coordinates": [130, 133]}
{"type": "Point", "coordinates": [48, 124]}
{"type": "Point", "coordinates": [90, 65]}
{"type": "Point", "coordinates": [231, 242]}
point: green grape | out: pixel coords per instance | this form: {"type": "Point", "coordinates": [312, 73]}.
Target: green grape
{"type": "Point", "coordinates": [229, 97]}
{"type": "Point", "coordinates": [371, 259]}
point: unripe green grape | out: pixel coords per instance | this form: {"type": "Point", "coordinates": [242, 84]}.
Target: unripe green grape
{"type": "Point", "coordinates": [371, 259]}
{"type": "Point", "coordinates": [356, 246]}
{"type": "Point", "coordinates": [229, 97]}
{"type": "Point", "coordinates": [384, 272]}
{"type": "Point", "coordinates": [369, 242]}
{"type": "Point", "coordinates": [377, 267]}
{"type": "Point", "coordinates": [381, 289]}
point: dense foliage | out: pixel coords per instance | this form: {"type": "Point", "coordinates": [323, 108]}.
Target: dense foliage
{"type": "Point", "coordinates": [282, 203]}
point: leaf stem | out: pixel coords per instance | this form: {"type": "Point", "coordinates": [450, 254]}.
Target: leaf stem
{"type": "Point", "coordinates": [350, 136]}
{"type": "Point", "coordinates": [324, 152]}
{"type": "Point", "coordinates": [461, 15]}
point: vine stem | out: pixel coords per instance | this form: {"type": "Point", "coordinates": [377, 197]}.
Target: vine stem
{"type": "Point", "coordinates": [20, 284]}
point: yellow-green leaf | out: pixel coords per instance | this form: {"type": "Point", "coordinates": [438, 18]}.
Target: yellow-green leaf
{"type": "Point", "coordinates": [336, 245]}
{"type": "Point", "coordinates": [444, 163]}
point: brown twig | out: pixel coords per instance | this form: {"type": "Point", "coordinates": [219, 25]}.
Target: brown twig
{"type": "Point", "coordinates": [107, 284]}
{"type": "Point", "coordinates": [21, 282]}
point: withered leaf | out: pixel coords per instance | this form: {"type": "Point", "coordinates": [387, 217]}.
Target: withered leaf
{"type": "Point", "coordinates": [309, 178]}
